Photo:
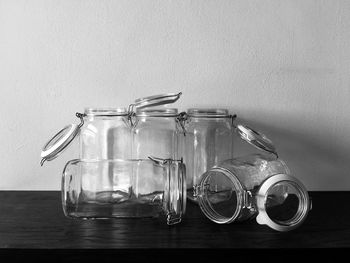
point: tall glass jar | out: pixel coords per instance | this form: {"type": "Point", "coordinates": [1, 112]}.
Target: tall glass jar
{"type": "Point", "coordinates": [106, 134]}
{"type": "Point", "coordinates": [155, 130]}
{"type": "Point", "coordinates": [155, 133]}
{"type": "Point", "coordinates": [207, 141]}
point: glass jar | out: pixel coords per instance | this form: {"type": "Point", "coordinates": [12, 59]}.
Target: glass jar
{"type": "Point", "coordinates": [104, 133]}
{"type": "Point", "coordinates": [155, 130]}
{"type": "Point", "coordinates": [254, 185]}
{"type": "Point", "coordinates": [208, 141]}
{"type": "Point", "coordinates": [130, 194]}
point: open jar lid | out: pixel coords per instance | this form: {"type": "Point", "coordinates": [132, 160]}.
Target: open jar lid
{"type": "Point", "coordinates": [156, 100]}
{"type": "Point", "coordinates": [256, 139]}
{"type": "Point", "coordinates": [59, 142]}
{"type": "Point", "coordinates": [64, 137]}
{"type": "Point", "coordinates": [282, 202]}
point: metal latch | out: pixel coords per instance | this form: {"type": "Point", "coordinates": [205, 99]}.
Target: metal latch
{"type": "Point", "coordinates": [199, 189]}
{"type": "Point", "coordinates": [248, 199]}
{"type": "Point", "coordinates": [161, 161]}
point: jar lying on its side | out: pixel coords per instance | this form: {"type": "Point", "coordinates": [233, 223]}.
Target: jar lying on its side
{"type": "Point", "coordinates": [130, 193]}
{"type": "Point", "coordinates": [254, 185]}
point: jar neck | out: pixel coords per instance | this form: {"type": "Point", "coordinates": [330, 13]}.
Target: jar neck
{"type": "Point", "coordinates": [208, 113]}
{"type": "Point", "coordinates": [209, 119]}
{"type": "Point", "coordinates": [105, 112]}
{"type": "Point", "coordinates": [91, 117]}
{"type": "Point", "coordinates": [144, 117]}
{"type": "Point", "coordinates": [157, 113]}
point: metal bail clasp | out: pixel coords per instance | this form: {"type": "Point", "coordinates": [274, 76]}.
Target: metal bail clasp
{"type": "Point", "coordinates": [81, 117]}
{"type": "Point", "coordinates": [61, 140]}
{"type": "Point", "coordinates": [173, 218]}
{"type": "Point", "coordinates": [199, 189]}
{"type": "Point", "coordinates": [161, 161]}
{"type": "Point", "coordinates": [248, 200]}
{"type": "Point", "coordinates": [196, 190]}
{"type": "Point", "coordinates": [233, 117]}
{"type": "Point", "coordinates": [181, 119]}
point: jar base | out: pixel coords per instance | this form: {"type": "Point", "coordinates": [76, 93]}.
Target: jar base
{"type": "Point", "coordinates": [127, 209]}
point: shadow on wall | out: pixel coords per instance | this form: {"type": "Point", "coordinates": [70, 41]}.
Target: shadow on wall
{"type": "Point", "coordinates": [311, 157]}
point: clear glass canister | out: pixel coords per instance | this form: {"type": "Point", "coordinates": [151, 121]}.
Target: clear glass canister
{"type": "Point", "coordinates": [208, 140]}
{"type": "Point", "coordinates": [104, 133]}
{"type": "Point", "coordinates": [155, 130]}
{"type": "Point", "coordinates": [259, 185]}
{"type": "Point", "coordinates": [129, 194]}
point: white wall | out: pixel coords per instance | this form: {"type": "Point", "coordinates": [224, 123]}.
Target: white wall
{"type": "Point", "coordinates": [282, 66]}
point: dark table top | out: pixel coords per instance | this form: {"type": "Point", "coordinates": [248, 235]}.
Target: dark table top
{"type": "Point", "coordinates": [35, 220]}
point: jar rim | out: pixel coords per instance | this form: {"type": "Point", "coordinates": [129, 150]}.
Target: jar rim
{"type": "Point", "coordinates": [208, 112]}
{"type": "Point", "coordinates": [205, 205]}
{"type": "Point", "coordinates": [157, 112]}
{"type": "Point", "coordinates": [106, 111]}
{"type": "Point", "coordinates": [303, 198]}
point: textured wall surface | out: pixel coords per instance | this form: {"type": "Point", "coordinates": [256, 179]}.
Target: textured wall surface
{"type": "Point", "coordinates": [282, 66]}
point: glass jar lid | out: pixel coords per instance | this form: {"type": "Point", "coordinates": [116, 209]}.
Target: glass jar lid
{"type": "Point", "coordinates": [256, 139]}
{"type": "Point", "coordinates": [220, 195]}
{"type": "Point", "coordinates": [156, 100]}
{"type": "Point", "coordinates": [282, 202]}
{"type": "Point", "coordinates": [60, 140]}
{"type": "Point", "coordinates": [208, 113]}
{"type": "Point", "coordinates": [58, 143]}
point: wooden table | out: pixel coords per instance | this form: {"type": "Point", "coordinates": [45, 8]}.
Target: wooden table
{"type": "Point", "coordinates": [33, 222]}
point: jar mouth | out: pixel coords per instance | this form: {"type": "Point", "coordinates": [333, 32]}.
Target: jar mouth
{"type": "Point", "coordinates": [168, 112]}
{"type": "Point", "coordinates": [208, 113]}
{"type": "Point", "coordinates": [221, 195]}
{"type": "Point", "coordinates": [299, 209]}
{"type": "Point", "coordinates": [283, 202]}
{"type": "Point", "coordinates": [106, 111]}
